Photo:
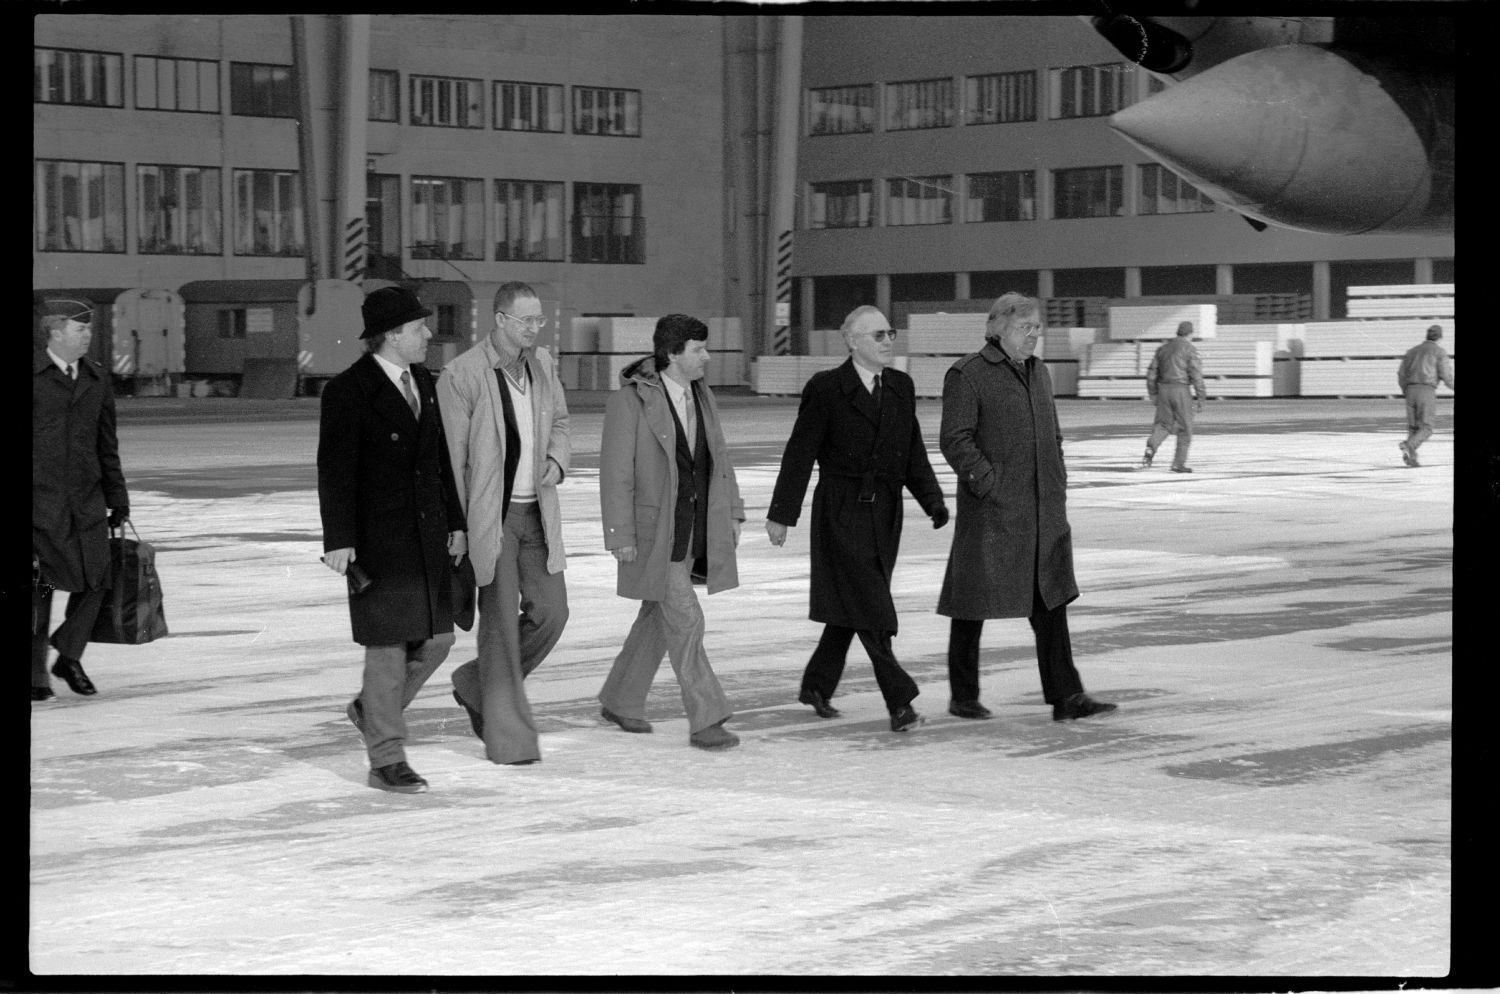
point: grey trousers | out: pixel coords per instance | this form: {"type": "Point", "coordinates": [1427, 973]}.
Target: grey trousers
{"type": "Point", "coordinates": [1174, 412]}
{"type": "Point", "coordinates": [393, 675]}
{"type": "Point", "coordinates": [511, 645]}
{"type": "Point", "coordinates": [1421, 402]}
{"type": "Point", "coordinates": [671, 627]}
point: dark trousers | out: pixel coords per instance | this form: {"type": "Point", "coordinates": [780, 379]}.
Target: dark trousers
{"type": "Point", "coordinates": [1054, 654]}
{"type": "Point", "coordinates": [827, 665]}
{"type": "Point", "coordinates": [71, 636]}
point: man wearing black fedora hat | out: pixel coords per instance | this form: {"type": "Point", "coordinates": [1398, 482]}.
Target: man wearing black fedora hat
{"type": "Point", "coordinates": [77, 488]}
{"type": "Point", "coordinates": [391, 521]}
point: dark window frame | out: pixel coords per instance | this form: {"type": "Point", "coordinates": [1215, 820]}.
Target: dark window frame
{"type": "Point", "coordinates": [272, 95]}
{"type": "Point", "coordinates": [38, 91]}
{"type": "Point", "coordinates": [632, 246]}
{"type": "Point", "coordinates": [499, 103]}
{"type": "Point", "coordinates": [135, 78]}
{"type": "Point", "coordinates": [640, 111]}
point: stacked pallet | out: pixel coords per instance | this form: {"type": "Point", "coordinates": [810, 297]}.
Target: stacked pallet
{"type": "Point", "coordinates": [1360, 358]}
{"type": "Point", "coordinates": [786, 375]}
{"type": "Point", "coordinates": [1417, 300]}
{"type": "Point", "coordinates": [595, 350]}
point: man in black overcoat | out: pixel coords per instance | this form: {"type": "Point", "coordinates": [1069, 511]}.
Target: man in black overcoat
{"type": "Point", "coordinates": [77, 489]}
{"type": "Point", "coordinates": [1012, 553]}
{"type": "Point", "coordinates": [390, 510]}
{"type": "Point", "coordinates": [858, 422]}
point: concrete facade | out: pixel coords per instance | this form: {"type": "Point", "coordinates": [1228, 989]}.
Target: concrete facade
{"type": "Point", "coordinates": [849, 51]}
{"type": "Point", "coordinates": [675, 62]}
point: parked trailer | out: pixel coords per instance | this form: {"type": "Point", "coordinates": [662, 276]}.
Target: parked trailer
{"type": "Point", "coordinates": [229, 321]}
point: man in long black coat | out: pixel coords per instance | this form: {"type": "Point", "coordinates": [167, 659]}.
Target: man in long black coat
{"type": "Point", "coordinates": [390, 509]}
{"type": "Point", "coordinates": [1012, 553]}
{"type": "Point", "coordinates": [77, 489]}
{"type": "Point", "coordinates": [858, 422]}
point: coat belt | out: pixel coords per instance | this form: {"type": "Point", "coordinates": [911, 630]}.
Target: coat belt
{"type": "Point", "coordinates": [867, 481]}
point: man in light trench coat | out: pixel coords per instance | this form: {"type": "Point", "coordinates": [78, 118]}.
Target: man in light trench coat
{"type": "Point", "coordinates": [672, 513]}
{"type": "Point", "coordinates": [1012, 553]}
{"type": "Point", "coordinates": [507, 422]}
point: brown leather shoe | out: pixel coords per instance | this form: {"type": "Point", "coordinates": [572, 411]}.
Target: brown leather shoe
{"type": "Point", "coordinates": [396, 777]}
{"type": "Point", "coordinates": [637, 725]}
{"type": "Point", "coordinates": [715, 737]}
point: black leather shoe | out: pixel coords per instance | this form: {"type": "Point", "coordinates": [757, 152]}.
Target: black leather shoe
{"type": "Point", "coordinates": [356, 714]}
{"type": "Point", "coordinates": [1080, 705]}
{"type": "Point", "coordinates": [637, 725]}
{"type": "Point", "coordinates": [476, 720]}
{"type": "Point", "coordinates": [819, 703]}
{"type": "Point", "coordinates": [397, 777]}
{"type": "Point", "coordinates": [71, 670]}
{"type": "Point", "coordinates": [968, 709]}
{"type": "Point", "coordinates": [42, 694]}
{"type": "Point", "coordinates": [1182, 469]}
{"type": "Point", "coordinates": [904, 718]}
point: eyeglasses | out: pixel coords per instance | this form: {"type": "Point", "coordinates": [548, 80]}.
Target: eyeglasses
{"type": "Point", "coordinates": [536, 322]}
{"type": "Point", "coordinates": [883, 334]}
{"type": "Point", "coordinates": [1029, 329]}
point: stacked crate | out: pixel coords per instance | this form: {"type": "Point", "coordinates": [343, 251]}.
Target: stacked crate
{"type": "Point", "coordinates": [934, 341]}
{"type": "Point", "coordinates": [786, 375]}
{"type": "Point", "coordinates": [1238, 364]}
{"type": "Point", "coordinates": [1360, 358]}
{"type": "Point", "coordinates": [595, 350]}
{"type": "Point", "coordinates": [1417, 300]}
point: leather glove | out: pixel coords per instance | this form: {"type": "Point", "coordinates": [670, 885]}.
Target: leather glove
{"type": "Point", "coordinates": [940, 516]}
{"type": "Point", "coordinates": [118, 516]}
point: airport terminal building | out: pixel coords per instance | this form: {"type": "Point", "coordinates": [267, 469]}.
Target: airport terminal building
{"type": "Point", "coordinates": [626, 165]}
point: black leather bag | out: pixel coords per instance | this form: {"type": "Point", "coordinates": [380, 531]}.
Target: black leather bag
{"type": "Point", "coordinates": [461, 578]}
{"type": "Point", "coordinates": [132, 613]}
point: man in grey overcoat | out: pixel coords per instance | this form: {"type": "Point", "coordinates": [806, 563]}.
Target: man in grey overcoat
{"type": "Point", "coordinates": [390, 508]}
{"type": "Point", "coordinates": [77, 489]}
{"type": "Point", "coordinates": [1012, 553]}
{"type": "Point", "coordinates": [672, 514]}
{"type": "Point", "coordinates": [858, 423]}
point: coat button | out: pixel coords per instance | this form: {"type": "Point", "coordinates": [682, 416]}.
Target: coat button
{"type": "Point", "coordinates": [395, 437]}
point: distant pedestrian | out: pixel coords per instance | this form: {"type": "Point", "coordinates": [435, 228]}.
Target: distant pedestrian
{"type": "Point", "coordinates": [508, 433]}
{"type": "Point", "coordinates": [1423, 367]}
{"type": "Point", "coordinates": [1012, 554]}
{"type": "Point", "coordinates": [77, 490]}
{"type": "Point", "coordinates": [858, 423]}
{"type": "Point", "coordinates": [1175, 366]}
{"type": "Point", "coordinates": [390, 510]}
{"type": "Point", "coordinates": [672, 513]}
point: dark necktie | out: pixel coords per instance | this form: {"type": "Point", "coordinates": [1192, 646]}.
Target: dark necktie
{"type": "Point", "coordinates": [875, 389]}
{"type": "Point", "coordinates": [72, 371]}
{"type": "Point", "coordinates": [411, 398]}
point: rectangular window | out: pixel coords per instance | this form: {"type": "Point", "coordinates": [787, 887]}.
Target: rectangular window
{"type": "Point", "coordinates": [926, 103]}
{"type": "Point", "coordinates": [845, 204]}
{"type": "Point", "coordinates": [234, 322]}
{"type": "Point", "coordinates": [267, 212]}
{"type": "Point", "coordinates": [1007, 196]}
{"type": "Point", "coordinates": [177, 210]}
{"type": "Point", "coordinates": [383, 224]}
{"type": "Point", "coordinates": [607, 223]}
{"type": "Point", "coordinates": [1090, 91]}
{"type": "Point", "coordinates": [1164, 192]}
{"type": "Point", "coordinates": [1093, 192]}
{"type": "Point", "coordinates": [190, 85]}
{"type": "Point", "coordinates": [446, 102]}
{"type": "Point", "coordinates": [919, 200]}
{"type": "Point", "coordinates": [80, 206]}
{"type": "Point", "coordinates": [529, 106]}
{"type": "Point", "coordinates": [447, 218]}
{"type": "Point", "coordinates": [528, 221]}
{"type": "Point", "coordinates": [1000, 98]}
{"type": "Point", "coordinates": [385, 95]}
{"type": "Point", "coordinates": [598, 111]}
{"type": "Point", "coordinates": [259, 90]}
{"type": "Point", "coordinates": [841, 110]}
{"type": "Point", "coordinates": [64, 76]}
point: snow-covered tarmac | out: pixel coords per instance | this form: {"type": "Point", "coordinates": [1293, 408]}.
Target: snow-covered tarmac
{"type": "Point", "coordinates": [1271, 799]}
